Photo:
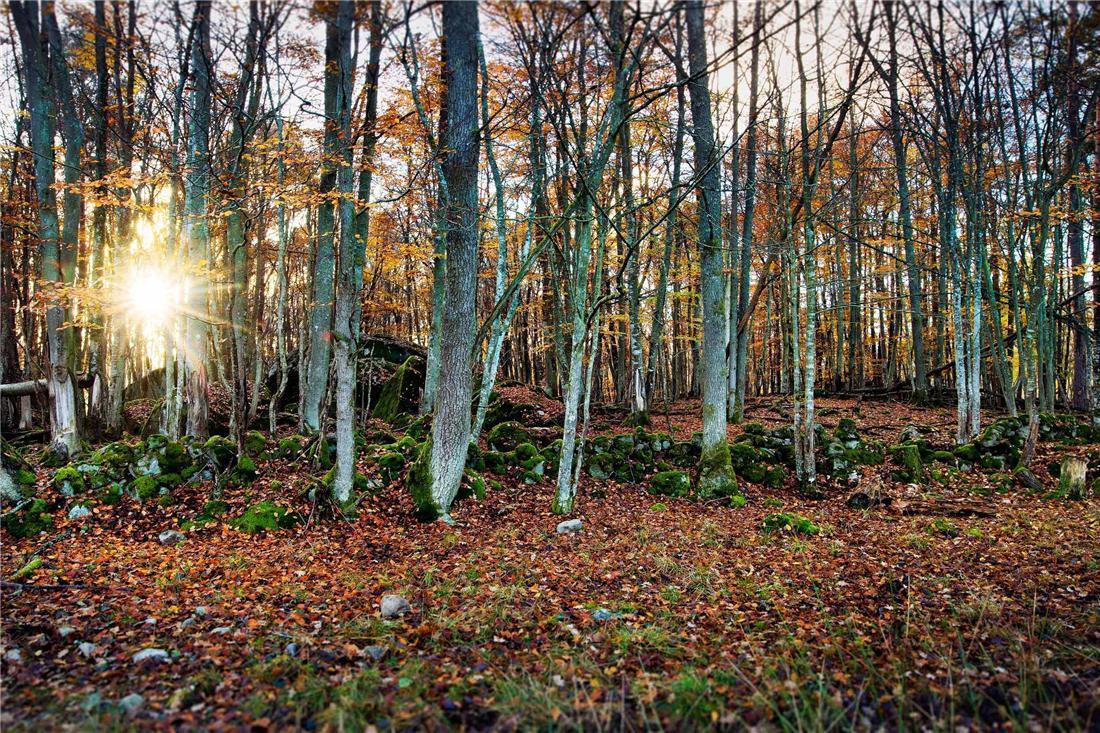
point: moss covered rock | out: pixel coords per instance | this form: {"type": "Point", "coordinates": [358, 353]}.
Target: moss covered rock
{"type": "Point", "coordinates": [265, 516]}
{"type": "Point", "coordinates": [254, 442]}
{"type": "Point", "coordinates": [906, 457]}
{"type": "Point", "coordinates": [507, 435]}
{"type": "Point", "coordinates": [290, 447]}
{"type": "Point", "coordinates": [784, 522]}
{"type": "Point", "coordinates": [717, 479]}
{"type": "Point", "coordinates": [30, 521]}
{"type": "Point", "coordinates": [69, 481]}
{"type": "Point", "coordinates": [670, 483]}
{"type": "Point", "coordinates": [398, 392]}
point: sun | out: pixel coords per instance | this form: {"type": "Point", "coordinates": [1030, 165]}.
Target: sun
{"type": "Point", "coordinates": [149, 296]}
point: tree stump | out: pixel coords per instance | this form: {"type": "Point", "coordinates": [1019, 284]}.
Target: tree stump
{"type": "Point", "coordinates": [1071, 478]}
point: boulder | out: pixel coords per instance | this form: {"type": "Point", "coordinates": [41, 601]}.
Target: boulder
{"type": "Point", "coordinates": [170, 537]}
{"type": "Point", "coordinates": [79, 512]}
{"type": "Point", "coordinates": [151, 655]}
{"type": "Point", "coordinates": [507, 436]}
{"type": "Point", "coordinates": [132, 703]}
{"type": "Point", "coordinates": [670, 483]}
{"type": "Point", "coordinates": [394, 606]}
{"type": "Point", "coordinates": [570, 526]}
{"type": "Point", "coordinates": [400, 391]}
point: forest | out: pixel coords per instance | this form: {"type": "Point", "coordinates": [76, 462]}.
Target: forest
{"type": "Point", "coordinates": [530, 365]}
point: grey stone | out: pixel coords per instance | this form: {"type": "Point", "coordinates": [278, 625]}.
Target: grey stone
{"type": "Point", "coordinates": [156, 655]}
{"type": "Point", "coordinates": [602, 614]}
{"type": "Point", "coordinates": [394, 606]}
{"type": "Point", "coordinates": [375, 652]}
{"type": "Point", "coordinates": [65, 630]}
{"type": "Point", "coordinates": [222, 630]}
{"type": "Point", "coordinates": [132, 703]}
{"type": "Point", "coordinates": [13, 656]}
{"type": "Point", "coordinates": [570, 526]}
{"type": "Point", "coordinates": [170, 537]}
{"type": "Point", "coordinates": [86, 648]}
{"type": "Point", "coordinates": [291, 649]}
{"type": "Point", "coordinates": [187, 623]}
{"type": "Point", "coordinates": [79, 512]}
{"type": "Point", "coordinates": [200, 611]}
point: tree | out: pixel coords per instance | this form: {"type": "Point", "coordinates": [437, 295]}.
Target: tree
{"type": "Point", "coordinates": [46, 85]}
{"type": "Point", "coordinates": [451, 425]}
{"type": "Point", "coordinates": [716, 476]}
{"type": "Point", "coordinates": [196, 228]}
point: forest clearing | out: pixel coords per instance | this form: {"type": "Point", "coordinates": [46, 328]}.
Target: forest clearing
{"type": "Point", "coordinates": [659, 365]}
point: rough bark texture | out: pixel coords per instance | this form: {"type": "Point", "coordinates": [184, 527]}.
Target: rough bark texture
{"type": "Point", "coordinates": [451, 427]}
{"type": "Point", "coordinates": [715, 472]}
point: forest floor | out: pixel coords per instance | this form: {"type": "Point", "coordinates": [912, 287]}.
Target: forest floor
{"type": "Point", "coordinates": [660, 614]}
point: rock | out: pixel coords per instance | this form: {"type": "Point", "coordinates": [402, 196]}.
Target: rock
{"type": "Point", "coordinates": [670, 483]}
{"type": "Point", "coordinates": [602, 614]}
{"type": "Point", "coordinates": [79, 512]}
{"type": "Point", "coordinates": [170, 537]}
{"type": "Point", "coordinates": [187, 623]}
{"type": "Point", "coordinates": [155, 655]}
{"type": "Point", "coordinates": [86, 648]}
{"type": "Point", "coordinates": [200, 611]}
{"type": "Point", "coordinates": [150, 621]}
{"type": "Point", "coordinates": [507, 435]}
{"type": "Point", "coordinates": [570, 526]}
{"type": "Point", "coordinates": [13, 656]}
{"type": "Point", "coordinates": [132, 703]}
{"type": "Point", "coordinates": [394, 606]}
{"type": "Point", "coordinates": [291, 649]}
{"type": "Point", "coordinates": [375, 652]}
{"type": "Point", "coordinates": [222, 630]}
{"type": "Point", "coordinates": [64, 631]}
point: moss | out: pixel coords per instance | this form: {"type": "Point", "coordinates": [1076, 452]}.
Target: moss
{"type": "Point", "coordinates": [31, 520]}
{"type": "Point", "coordinates": [391, 465]}
{"type": "Point", "coordinates": [716, 476]}
{"type": "Point", "coordinates": [25, 478]}
{"type": "Point", "coordinates": [69, 481]}
{"type": "Point", "coordinates": [474, 457]}
{"type": "Point", "coordinates": [392, 400]}
{"type": "Point", "coordinates": [265, 516]}
{"type": "Point", "coordinates": [144, 487]}
{"type": "Point", "coordinates": [220, 451]}
{"type": "Point", "coordinates": [494, 462]}
{"type": "Point", "coordinates": [116, 456]}
{"type": "Point", "coordinates": [173, 457]}
{"type": "Point", "coordinates": [784, 522]}
{"type": "Point", "coordinates": [169, 480]}
{"type": "Point", "coordinates": [637, 419]}
{"type": "Point", "coordinates": [670, 483]}
{"type": "Point", "coordinates": [507, 435]}
{"type": "Point", "coordinates": [601, 465]}
{"type": "Point", "coordinates": [473, 485]}
{"type": "Point", "coordinates": [289, 448]}
{"type": "Point", "coordinates": [419, 482]}
{"type": "Point", "coordinates": [419, 428]}
{"type": "Point", "coordinates": [245, 470]}
{"type": "Point", "coordinates": [110, 494]}
{"type": "Point", "coordinates": [908, 461]}
{"type": "Point", "coordinates": [254, 442]}
{"type": "Point", "coordinates": [215, 508]}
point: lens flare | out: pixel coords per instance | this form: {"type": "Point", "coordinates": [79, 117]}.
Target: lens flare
{"type": "Point", "coordinates": [149, 296]}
